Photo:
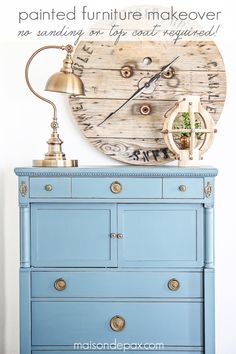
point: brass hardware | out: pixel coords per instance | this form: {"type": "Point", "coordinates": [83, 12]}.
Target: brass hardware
{"type": "Point", "coordinates": [116, 187]}
{"type": "Point", "coordinates": [23, 189]}
{"type": "Point", "coordinates": [113, 235]}
{"type": "Point", "coordinates": [60, 284]}
{"type": "Point", "coordinates": [169, 73]}
{"type": "Point", "coordinates": [182, 188]}
{"type": "Point", "coordinates": [173, 284]}
{"type": "Point", "coordinates": [48, 187]}
{"type": "Point", "coordinates": [208, 190]}
{"type": "Point", "coordinates": [117, 323]}
{"type": "Point", "coordinates": [145, 109]}
{"type": "Point", "coordinates": [126, 71]}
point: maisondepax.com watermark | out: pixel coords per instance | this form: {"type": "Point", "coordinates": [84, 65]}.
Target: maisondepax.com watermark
{"type": "Point", "coordinates": [117, 346]}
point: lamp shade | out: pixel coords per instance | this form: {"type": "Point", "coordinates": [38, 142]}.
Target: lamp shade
{"type": "Point", "coordinates": [65, 83]}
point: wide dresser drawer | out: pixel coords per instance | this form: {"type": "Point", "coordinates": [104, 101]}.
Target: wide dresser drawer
{"type": "Point", "coordinates": [110, 284]}
{"type": "Point", "coordinates": [65, 323]}
{"type": "Point", "coordinates": [117, 188]}
{"type": "Point", "coordinates": [177, 351]}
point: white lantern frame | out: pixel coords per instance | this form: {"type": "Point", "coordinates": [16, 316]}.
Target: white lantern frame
{"type": "Point", "coordinates": [192, 155]}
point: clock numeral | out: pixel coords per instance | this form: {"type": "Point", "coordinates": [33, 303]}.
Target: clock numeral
{"type": "Point", "coordinates": [85, 60]}
{"type": "Point", "coordinates": [87, 49]}
{"type": "Point", "coordinates": [148, 155]}
{"type": "Point", "coordinates": [82, 117]}
{"type": "Point", "coordinates": [88, 126]}
{"type": "Point", "coordinates": [78, 68]}
{"type": "Point", "coordinates": [212, 76]}
{"type": "Point", "coordinates": [213, 63]}
{"type": "Point", "coordinates": [212, 97]}
{"type": "Point", "coordinates": [214, 85]}
{"type": "Point", "coordinates": [211, 109]}
{"type": "Point", "coordinates": [77, 108]}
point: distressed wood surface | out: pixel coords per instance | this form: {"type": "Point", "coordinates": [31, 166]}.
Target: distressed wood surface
{"type": "Point", "coordinates": [98, 84]}
{"type": "Point", "coordinates": [129, 136]}
{"type": "Point", "coordinates": [128, 122]}
{"type": "Point", "coordinates": [135, 151]}
{"type": "Point", "coordinates": [194, 55]}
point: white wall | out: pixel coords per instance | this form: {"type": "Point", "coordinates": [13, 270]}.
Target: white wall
{"type": "Point", "coordinates": [24, 130]}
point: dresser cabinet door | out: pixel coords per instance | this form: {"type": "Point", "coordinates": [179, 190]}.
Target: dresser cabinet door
{"type": "Point", "coordinates": [73, 235]}
{"type": "Point", "coordinates": [160, 235]}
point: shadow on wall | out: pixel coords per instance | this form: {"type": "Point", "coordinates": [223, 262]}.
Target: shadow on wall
{"type": "Point", "coordinates": [2, 264]}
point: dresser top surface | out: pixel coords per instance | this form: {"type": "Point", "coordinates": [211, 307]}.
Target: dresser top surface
{"type": "Point", "coordinates": [118, 171]}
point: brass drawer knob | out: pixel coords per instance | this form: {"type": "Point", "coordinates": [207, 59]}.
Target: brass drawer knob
{"type": "Point", "coordinates": [60, 284]}
{"type": "Point", "coordinates": [182, 188]}
{"type": "Point", "coordinates": [117, 323]}
{"type": "Point", "coordinates": [116, 187]}
{"type": "Point", "coordinates": [48, 187]}
{"type": "Point", "coordinates": [173, 284]}
{"type": "Point", "coordinates": [120, 235]}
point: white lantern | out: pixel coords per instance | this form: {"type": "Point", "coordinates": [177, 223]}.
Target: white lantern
{"type": "Point", "coordinates": [188, 119]}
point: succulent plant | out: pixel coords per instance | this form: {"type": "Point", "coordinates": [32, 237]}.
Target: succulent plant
{"type": "Point", "coordinates": [184, 122]}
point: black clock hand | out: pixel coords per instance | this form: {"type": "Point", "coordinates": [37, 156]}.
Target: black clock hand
{"type": "Point", "coordinates": [140, 89]}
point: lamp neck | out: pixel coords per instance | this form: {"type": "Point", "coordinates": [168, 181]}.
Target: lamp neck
{"type": "Point", "coordinates": [69, 49]}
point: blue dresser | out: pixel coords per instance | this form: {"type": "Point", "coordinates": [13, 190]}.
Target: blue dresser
{"type": "Point", "coordinates": [116, 259]}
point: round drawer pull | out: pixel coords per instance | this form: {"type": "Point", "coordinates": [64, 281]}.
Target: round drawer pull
{"type": "Point", "coordinates": [173, 284]}
{"type": "Point", "coordinates": [182, 188]}
{"type": "Point", "coordinates": [48, 187]}
{"type": "Point", "coordinates": [117, 323]}
{"type": "Point", "coordinates": [116, 187]}
{"type": "Point", "coordinates": [60, 284]}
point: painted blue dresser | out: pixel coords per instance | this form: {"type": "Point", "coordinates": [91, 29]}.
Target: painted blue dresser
{"type": "Point", "coordinates": [116, 259]}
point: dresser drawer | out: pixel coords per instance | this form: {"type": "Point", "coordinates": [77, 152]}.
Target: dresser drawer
{"type": "Point", "coordinates": [117, 188]}
{"type": "Point", "coordinates": [66, 323]}
{"type": "Point", "coordinates": [117, 284]}
{"type": "Point", "coordinates": [50, 187]}
{"type": "Point", "coordinates": [177, 351]}
{"type": "Point", "coordinates": [183, 188]}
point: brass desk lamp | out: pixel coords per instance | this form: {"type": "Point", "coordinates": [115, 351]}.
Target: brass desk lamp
{"type": "Point", "coordinates": [64, 81]}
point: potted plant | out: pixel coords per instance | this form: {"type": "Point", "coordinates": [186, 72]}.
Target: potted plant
{"type": "Point", "coordinates": [184, 122]}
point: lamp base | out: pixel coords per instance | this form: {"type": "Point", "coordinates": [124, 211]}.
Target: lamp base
{"type": "Point", "coordinates": [55, 163]}
{"type": "Point", "coordinates": [55, 157]}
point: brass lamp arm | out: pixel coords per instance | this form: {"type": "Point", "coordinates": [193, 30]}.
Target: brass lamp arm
{"type": "Point", "coordinates": [69, 49]}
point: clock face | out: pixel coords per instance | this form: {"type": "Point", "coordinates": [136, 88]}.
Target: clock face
{"type": "Point", "coordinates": [112, 73]}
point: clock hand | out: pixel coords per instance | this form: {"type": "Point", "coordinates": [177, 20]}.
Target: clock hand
{"type": "Point", "coordinates": [140, 89]}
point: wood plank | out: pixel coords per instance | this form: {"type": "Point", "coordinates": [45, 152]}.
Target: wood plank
{"type": "Point", "coordinates": [109, 84]}
{"type": "Point", "coordinates": [135, 151]}
{"type": "Point", "coordinates": [128, 122]}
{"type": "Point", "coordinates": [194, 55]}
